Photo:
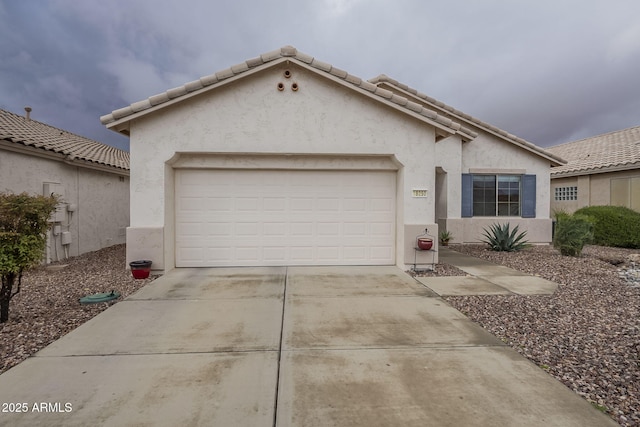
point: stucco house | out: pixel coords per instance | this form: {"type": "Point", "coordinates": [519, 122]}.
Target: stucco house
{"type": "Point", "coordinates": [287, 160]}
{"type": "Point", "coordinates": [91, 178]}
{"type": "Point", "coordinates": [601, 170]}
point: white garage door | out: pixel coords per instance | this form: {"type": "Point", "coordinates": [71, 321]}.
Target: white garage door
{"type": "Point", "coordinates": [269, 217]}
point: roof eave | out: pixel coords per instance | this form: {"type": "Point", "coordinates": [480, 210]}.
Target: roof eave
{"type": "Point", "coordinates": [18, 147]}
{"type": "Point", "coordinates": [596, 171]}
{"type": "Point", "coordinates": [122, 125]}
{"type": "Point", "coordinates": [534, 149]}
{"type": "Point", "coordinates": [420, 115]}
{"type": "Point", "coordinates": [120, 119]}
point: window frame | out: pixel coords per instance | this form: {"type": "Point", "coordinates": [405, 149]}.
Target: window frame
{"type": "Point", "coordinates": [504, 199]}
{"type": "Point", "coordinates": [528, 196]}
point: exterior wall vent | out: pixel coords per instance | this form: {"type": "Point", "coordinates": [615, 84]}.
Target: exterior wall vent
{"type": "Point", "coordinates": [419, 192]}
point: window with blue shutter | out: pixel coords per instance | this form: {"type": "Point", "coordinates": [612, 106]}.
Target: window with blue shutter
{"type": "Point", "coordinates": [467, 195]}
{"type": "Point", "coordinates": [528, 196]}
{"type": "Point", "coordinates": [498, 195]}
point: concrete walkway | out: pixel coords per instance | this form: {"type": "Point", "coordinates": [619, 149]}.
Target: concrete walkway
{"type": "Point", "coordinates": [316, 346]}
{"type": "Point", "coordinates": [484, 278]}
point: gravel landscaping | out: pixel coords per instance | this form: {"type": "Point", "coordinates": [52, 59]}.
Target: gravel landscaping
{"type": "Point", "coordinates": [48, 305]}
{"type": "Point", "coordinates": [586, 335]}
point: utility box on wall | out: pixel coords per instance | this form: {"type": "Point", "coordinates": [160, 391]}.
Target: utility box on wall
{"type": "Point", "coordinates": [65, 239]}
{"type": "Point", "coordinates": [52, 188]}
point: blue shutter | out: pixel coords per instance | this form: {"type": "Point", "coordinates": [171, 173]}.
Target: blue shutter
{"type": "Point", "coordinates": [467, 195]}
{"type": "Point", "coordinates": [528, 196]}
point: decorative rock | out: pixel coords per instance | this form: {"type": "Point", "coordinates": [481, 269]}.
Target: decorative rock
{"type": "Point", "coordinates": [634, 258]}
{"type": "Point", "coordinates": [631, 272]}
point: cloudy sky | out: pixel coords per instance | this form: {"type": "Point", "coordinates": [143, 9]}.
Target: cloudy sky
{"type": "Point", "coordinates": [549, 71]}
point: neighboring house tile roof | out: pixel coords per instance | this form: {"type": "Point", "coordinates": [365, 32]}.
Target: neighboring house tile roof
{"type": "Point", "coordinates": [614, 151]}
{"type": "Point", "coordinates": [31, 133]}
{"type": "Point", "coordinates": [460, 116]}
{"type": "Point", "coordinates": [287, 53]}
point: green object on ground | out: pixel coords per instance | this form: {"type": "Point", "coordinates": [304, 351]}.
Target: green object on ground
{"type": "Point", "coordinates": [101, 297]}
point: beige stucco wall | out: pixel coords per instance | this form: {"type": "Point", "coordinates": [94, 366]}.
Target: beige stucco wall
{"type": "Point", "coordinates": [593, 190]}
{"type": "Point", "coordinates": [489, 154]}
{"type": "Point", "coordinates": [101, 198]}
{"type": "Point", "coordinates": [252, 116]}
{"type": "Point", "coordinates": [569, 206]}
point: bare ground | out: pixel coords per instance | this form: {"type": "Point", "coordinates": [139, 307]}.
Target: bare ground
{"type": "Point", "coordinates": [586, 335]}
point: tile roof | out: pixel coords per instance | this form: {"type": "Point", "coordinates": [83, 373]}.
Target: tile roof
{"type": "Point", "coordinates": [20, 130]}
{"type": "Point", "coordinates": [285, 53]}
{"type": "Point", "coordinates": [459, 115]}
{"type": "Point", "coordinates": [436, 112]}
{"type": "Point", "coordinates": [619, 150]}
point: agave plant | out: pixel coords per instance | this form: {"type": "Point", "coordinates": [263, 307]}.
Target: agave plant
{"type": "Point", "coordinates": [501, 238]}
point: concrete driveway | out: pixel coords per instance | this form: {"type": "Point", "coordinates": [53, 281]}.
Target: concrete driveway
{"type": "Point", "coordinates": [296, 346]}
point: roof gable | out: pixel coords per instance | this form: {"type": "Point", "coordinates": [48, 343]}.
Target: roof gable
{"type": "Point", "coordinates": [613, 151]}
{"type": "Point", "coordinates": [22, 131]}
{"type": "Point", "coordinates": [457, 115]}
{"type": "Point", "coordinates": [118, 120]}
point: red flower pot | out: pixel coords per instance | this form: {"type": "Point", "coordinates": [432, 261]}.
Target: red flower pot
{"type": "Point", "coordinates": [425, 243]}
{"type": "Point", "coordinates": [140, 269]}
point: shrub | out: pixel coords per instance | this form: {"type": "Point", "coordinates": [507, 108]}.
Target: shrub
{"type": "Point", "coordinates": [23, 223]}
{"type": "Point", "coordinates": [614, 225]}
{"type": "Point", "coordinates": [500, 238]}
{"type": "Point", "coordinates": [572, 233]}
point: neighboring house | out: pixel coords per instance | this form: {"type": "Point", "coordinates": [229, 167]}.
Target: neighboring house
{"type": "Point", "coordinates": [601, 170]}
{"type": "Point", "coordinates": [287, 160]}
{"type": "Point", "coordinates": [91, 178]}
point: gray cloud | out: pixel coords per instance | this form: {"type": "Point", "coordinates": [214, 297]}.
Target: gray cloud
{"type": "Point", "coordinates": [546, 71]}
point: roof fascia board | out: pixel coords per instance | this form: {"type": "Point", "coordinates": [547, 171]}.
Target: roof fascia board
{"type": "Point", "coordinates": [375, 97]}
{"type": "Point", "coordinates": [122, 124]}
{"type": "Point", "coordinates": [554, 161]}
{"type": "Point", "coordinates": [17, 147]}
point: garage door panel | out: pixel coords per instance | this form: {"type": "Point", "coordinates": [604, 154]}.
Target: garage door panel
{"type": "Point", "coordinates": [301, 205]}
{"type": "Point", "coordinates": [275, 204]}
{"type": "Point", "coordinates": [381, 229]}
{"type": "Point", "coordinates": [355, 229]}
{"type": "Point", "coordinates": [354, 253]}
{"type": "Point", "coordinates": [302, 254]}
{"type": "Point", "coordinates": [284, 217]}
{"type": "Point", "coordinates": [275, 229]}
{"type": "Point", "coordinates": [191, 230]}
{"type": "Point", "coordinates": [249, 204]}
{"type": "Point", "coordinates": [328, 205]}
{"type": "Point", "coordinates": [324, 229]}
{"type": "Point", "coordinates": [382, 205]}
{"type": "Point", "coordinates": [380, 252]}
{"type": "Point", "coordinates": [358, 205]}
{"type": "Point", "coordinates": [328, 254]}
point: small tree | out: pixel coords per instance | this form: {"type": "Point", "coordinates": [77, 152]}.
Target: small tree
{"type": "Point", "coordinates": [23, 224]}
